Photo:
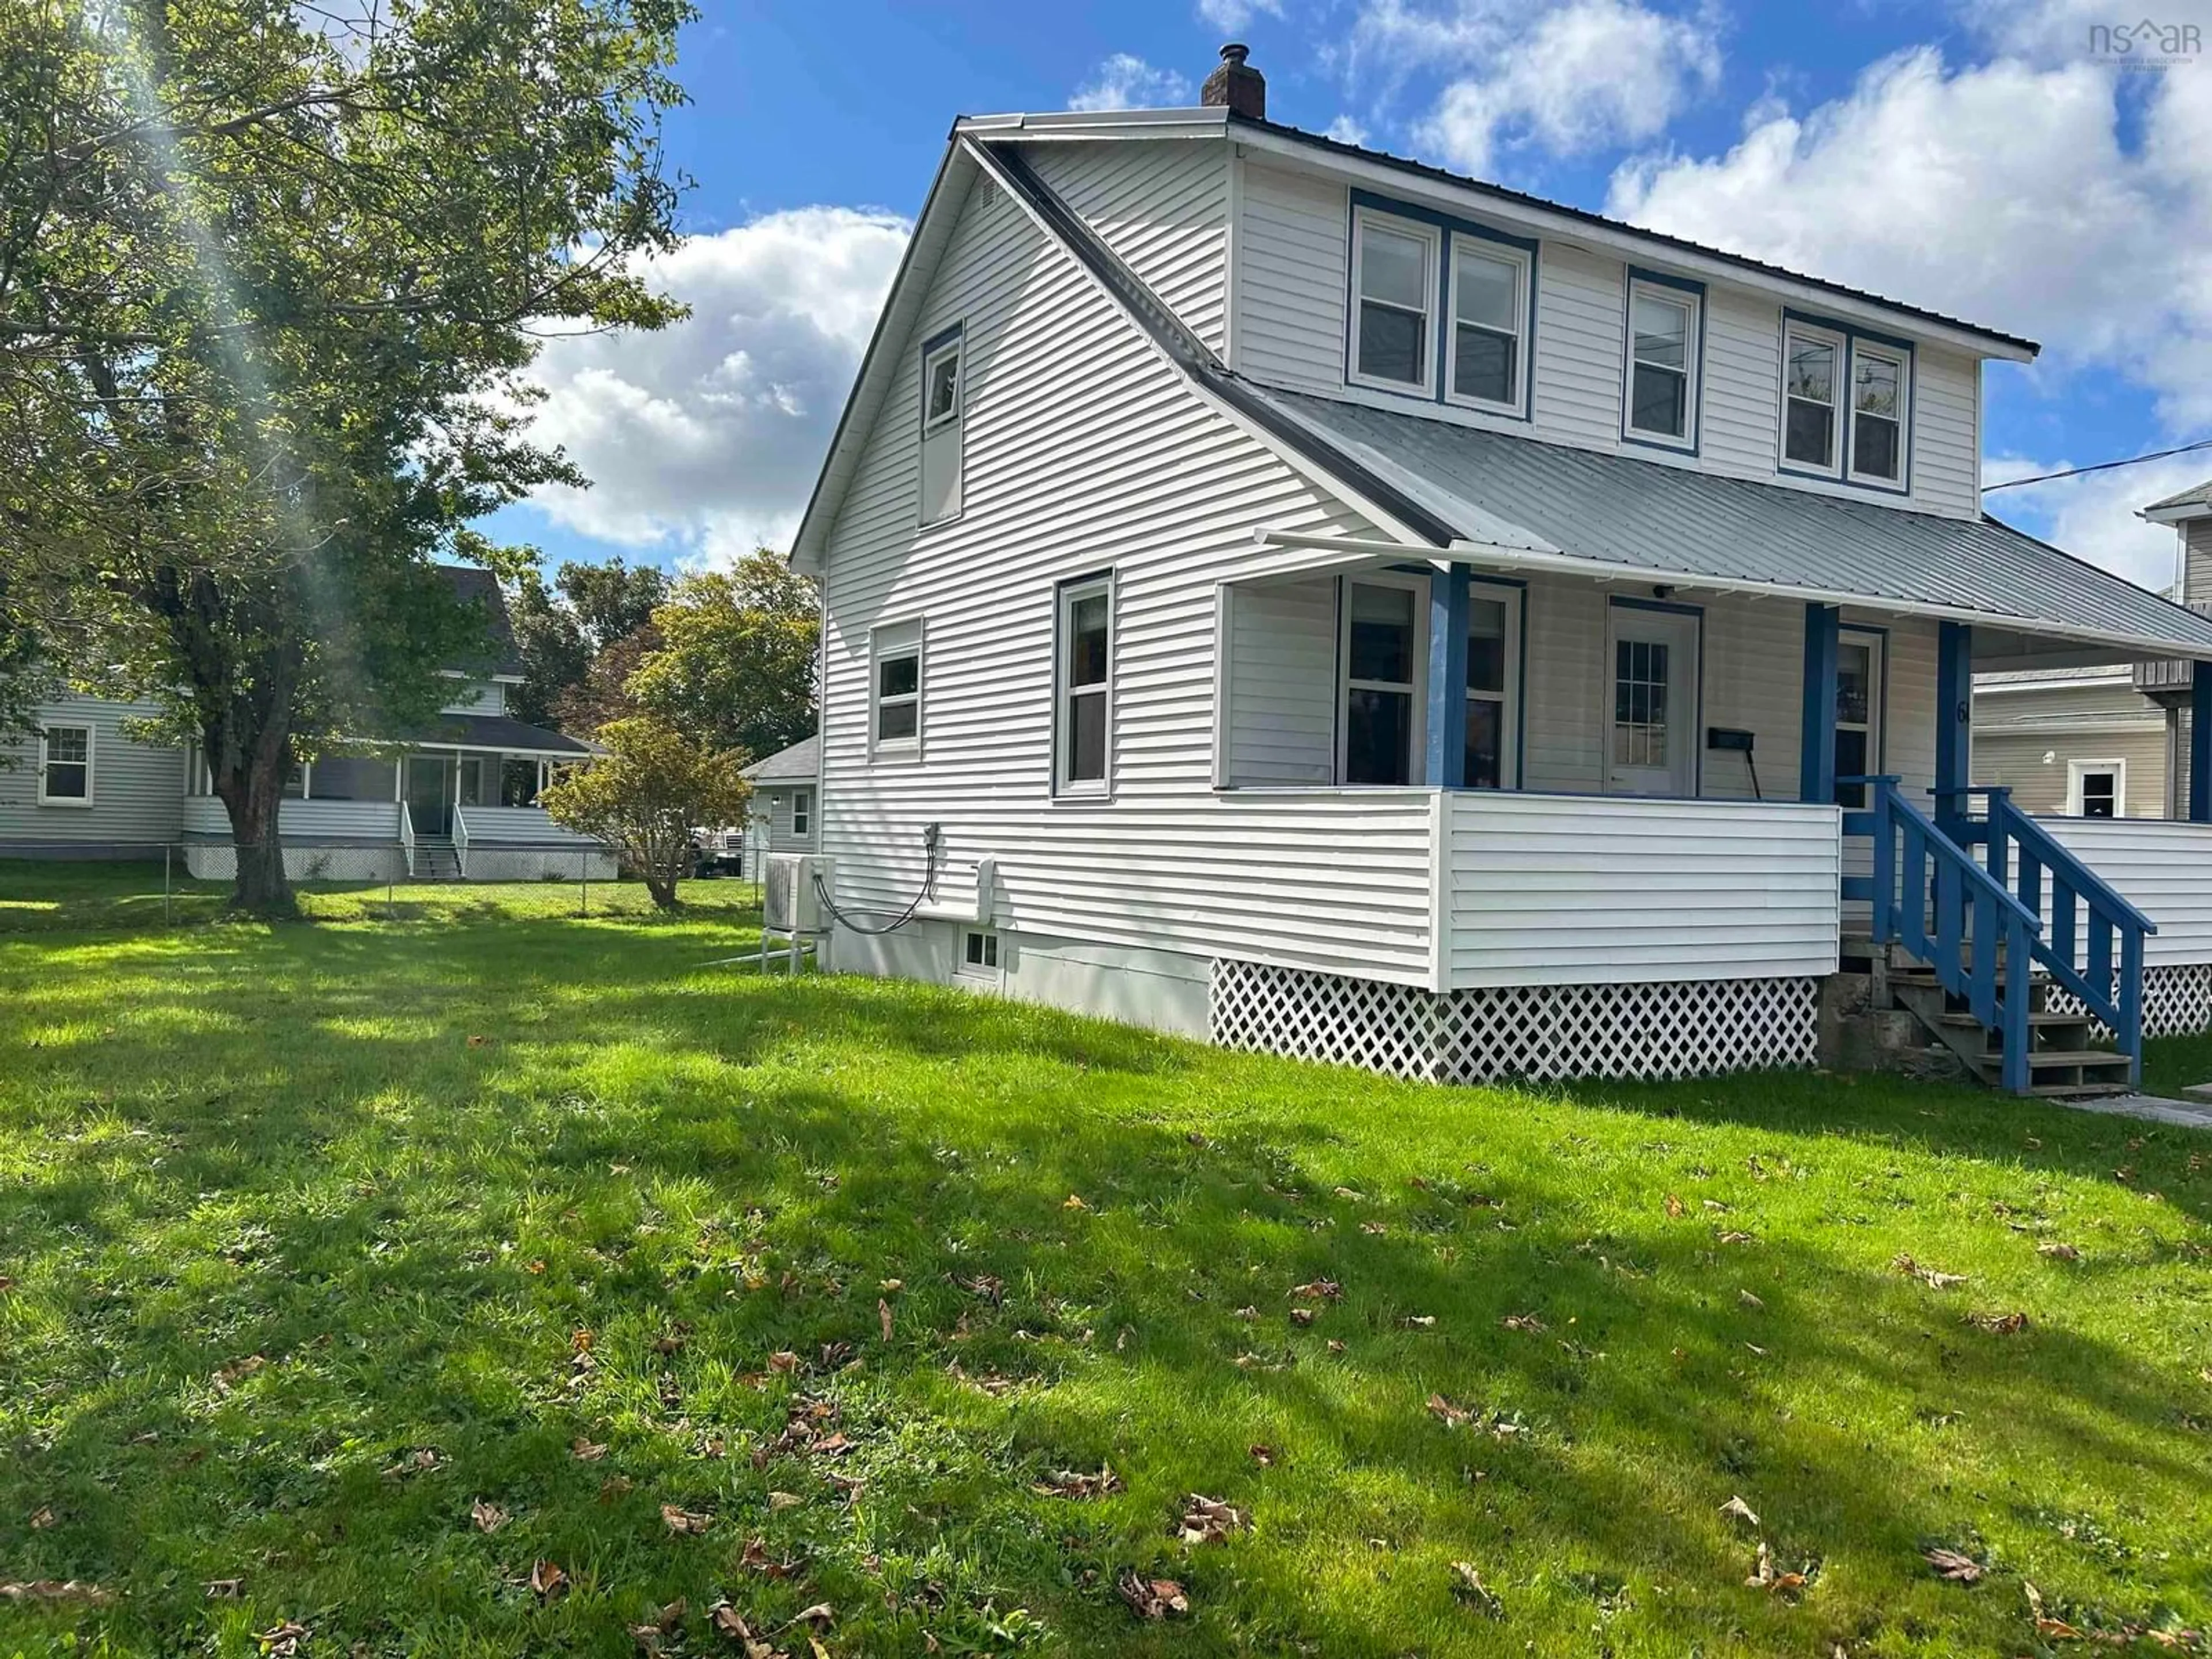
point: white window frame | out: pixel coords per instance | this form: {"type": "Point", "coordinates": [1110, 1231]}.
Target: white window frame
{"type": "Point", "coordinates": [1503, 254]}
{"type": "Point", "coordinates": [91, 744]}
{"type": "Point", "coordinates": [2077, 774]}
{"type": "Point", "coordinates": [1902, 360]}
{"type": "Point", "coordinates": [1693, 304]}
{"type": "Point", "coordinates": [1417, 738]}
{"type": "Point", "coordinates": [1509, 701]}
{"type": "Point", "coordinates": [882, 650]}
{"type": "Point", "coordinates": [986, 940]}
{"type": "Point", "coordinates": [1431, 237]}
{"type": "Point", "coordinates": [1877, 644]}
{"type": "Point", "coordinates": [953, 348]}
{"type": "Point", "coordinates": [1066, 596]}
{"type": "Point", "coordinates": [802, 810]}
{"type": "Point", "coordinates": [1839, 410]}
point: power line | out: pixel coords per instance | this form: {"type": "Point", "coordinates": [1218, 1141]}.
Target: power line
{"type": "Point", "coordinates": [2102, 466]}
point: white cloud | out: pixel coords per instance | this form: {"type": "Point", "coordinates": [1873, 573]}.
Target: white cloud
{"type": "Point", "coordinates": [1346, 130]}
{"type": "Point", "coordinates": [1125, 81]}
{"type": "Point", "coordinates": [1568, 78]}
{"type": "Point", "coordinates": [1231, 15]}
{"type": "Point", "coordinates": [704, 439]}
{"type": "Point", "coordinates": [2093, 516]}
{"type": "Point", "coordinates": [2003, 192]}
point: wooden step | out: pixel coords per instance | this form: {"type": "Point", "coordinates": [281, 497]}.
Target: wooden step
{"type": "Point", "coordinates": [2035, 1021]}
{"type": "Point", "coordinates": [2078, 1091]}
{"type": "Point", "coordinates": [2042, 1060]}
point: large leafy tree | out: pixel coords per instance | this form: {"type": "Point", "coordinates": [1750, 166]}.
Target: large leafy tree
{"type": "Point", "coordinates": [270, 274]}
{"type": "Point", "coordinates": [565, 628]}
{"type": "Point", "coordinates": [735, 661]}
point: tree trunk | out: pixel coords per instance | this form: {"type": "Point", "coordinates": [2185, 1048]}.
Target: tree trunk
{"type": "Point", "coordinates": [253, 792]}
{"type": "Point", "coordinates": [663, 889]}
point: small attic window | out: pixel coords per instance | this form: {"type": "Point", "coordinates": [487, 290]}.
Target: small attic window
{"type": "Point", "coordinates": [943, 400]}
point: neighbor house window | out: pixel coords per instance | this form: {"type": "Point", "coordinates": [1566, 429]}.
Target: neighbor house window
{"type": "Point", "coordinates": [802, 811]}
{"type": "Point", "coordinates": [1812, 371]}
{"type": "Point", "coordinates": [1394, 278]}
{"type": "Point", "coordinates": [1858, 713]}
{"type": "Point", "coordinates": [1083, 686]}
{"type": "Point", "coordinates": [2097, 788]}
{"type": "Point", "coordinates": [65, 766]}
{"type": "Point", "coordinates": [1878, 394]}
{"type": "Point", "coordinates": [1493, 685]}
{"type": "Point", "coordinates": [1487, 351]}
{"type": "Point", "coordinates": [895, 719]}
{"type": "Point", "coordinates": [1380, 651]}
{"type": "Point", "coordinates": [1662, 362]}
{"type": "Point", "coordinates": [943, 404]}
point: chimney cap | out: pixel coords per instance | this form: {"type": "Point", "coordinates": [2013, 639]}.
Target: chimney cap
{"type": "Point", "coordinates": [1235, 52]}
{"type": "Point", "coordinates": [1235, 85]}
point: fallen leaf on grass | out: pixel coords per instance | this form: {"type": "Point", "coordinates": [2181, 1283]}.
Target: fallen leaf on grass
{"type": "Point", "coordinates": [681, 1521]}
{"type": "Point", "coordinates": [989, 1286]}
{"type": "Point", "coordinates": [616, 1487]}
{"type": "Point", "coordinates": [1263, 1456]}
{"type": "Point", "coordinates": [479, 1041]}
{"type": "Point", "coordinates": [421, 1458]}
{"type": "Point", "coordinates": [821, 1615]}
{"type": "Point", "coordinates": [2059, 1252]}
{"type": "Point", "coordinates": [783, 1500]}
{"type": "Point", "coordinates": [223, 1589]}
{"type": "Point", "coordinates": [1376, 1227]}
{"type": "Point", "coordinates": [1419, 1321]}
{"type": "Point", "coordinates": [1950, 1564]}
{"type": "Point", "coordinates": [41, 1519]}
{"type": "Point", "coordinates": [547, 1581]}
{"type": "Point", "coordinates": [1319, 1290]}
{"type": "Point", "coordinates": [1736, 1237]}
{"type": "Point", "coordinates": [1151, 1598]}
{"type": "Point", "coordinates": [1467, 1585]}
{"type": "Point", "coordinates": [1764, 1577]}
{"type": "Point", "coordinates": [1930, 1277]}
{"type": "Point", "coordinates": [586, 1451]}
{"type": "Point", "coordinates": [237, 1372]}
{"type": "Point", "coordinates": [1750, 1301]}
{"type": "Point", "coordinates": [1073, 1483]}
{"type": "Point", "coordinates": [1335, 1346]}
{"type": "Point", "coordinates": [755, 1559]}
{"type": "Point", "coordinates": [1303, 1316]}
{"type": "Point", "coordinates": [728, 1621]}
{"type": "Point", "coordinates": [282, 1641]}
{"type": "Point", "coordinates": [57, 1589]}
{"type": "Point", "coordinates": [883, 1317]}
{"type": "Point", "coordinates": [2009, 1324]}
{"type": "Point", "coordinates": [1451, 1416]}
{"type": "Point", "coordinates": [1521, 1322]}
{"type": "Point", "coordinates": [1673, 1207]}
{"type": "Point", "coordinates": [1074, 1203]}
{"type": "Point", "coordinates": [1741, 1511]}
{"type": "Point", "coordinates": [783, 1362]}
{"type": "Point", "coordinates": [488, 1517]}
{"type": "Point", "coordinates": [1208, 1520]}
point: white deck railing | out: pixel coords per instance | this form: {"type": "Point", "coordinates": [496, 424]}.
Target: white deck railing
{"type": "Point", "coordinates": [515, 826]}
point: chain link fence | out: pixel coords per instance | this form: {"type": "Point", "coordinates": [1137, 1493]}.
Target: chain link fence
{"type": "Point", "coordinates": [57, 886]}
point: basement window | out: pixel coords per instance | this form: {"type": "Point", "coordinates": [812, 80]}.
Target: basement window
{"type": "Point", "coordinates": [979, 954]}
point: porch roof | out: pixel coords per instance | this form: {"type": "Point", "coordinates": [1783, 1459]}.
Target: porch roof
{"type": "Point", "coordinates": [496, 731]}
{"type": "Point", "coordinates": [1520, 494]}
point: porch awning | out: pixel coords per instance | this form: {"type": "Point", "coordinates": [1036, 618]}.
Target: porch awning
{"type": "Point", "coordinates": [1515, 492]}
{"type": "Point", "coordinates": [510, 737]}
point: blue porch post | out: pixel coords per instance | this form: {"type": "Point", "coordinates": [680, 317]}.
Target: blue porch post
{"type": "Point", "coordinates": [2200, 743]}
{"type": "Point", "coordinates": [1816, 758]}
{"type": "Point", "coordinates": [1954, 720]}
{"type": "Point", "coordinates": [1447, 723]}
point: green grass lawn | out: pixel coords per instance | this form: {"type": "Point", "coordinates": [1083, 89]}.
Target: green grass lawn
{"type": "Point", "coordinates": [716, 1288]}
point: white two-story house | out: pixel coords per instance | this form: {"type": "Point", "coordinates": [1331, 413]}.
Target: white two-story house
{"type": "Point", "coordinates": [1279, 592]}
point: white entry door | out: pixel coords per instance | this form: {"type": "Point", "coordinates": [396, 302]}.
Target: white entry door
{"type": "Point", "coordinates": [1651, 725]}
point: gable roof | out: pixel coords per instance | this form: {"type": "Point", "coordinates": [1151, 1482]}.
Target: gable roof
{"type": "Point", "coordinates": [2193, 503]}
{"type": "Point", "coordinates": [800, 763]}
{"type": "Point", "coordinates": [472, 586]}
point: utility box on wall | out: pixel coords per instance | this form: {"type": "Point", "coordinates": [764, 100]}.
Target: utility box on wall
{"type": "Point", "coordinates": [790, 901]}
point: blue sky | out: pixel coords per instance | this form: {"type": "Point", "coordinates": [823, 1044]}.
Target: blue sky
{"type": "Point", "coordinates": [1980, 158]}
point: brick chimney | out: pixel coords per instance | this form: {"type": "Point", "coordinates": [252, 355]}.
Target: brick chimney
{"type": "Point", "coordinates": [1236, 84]}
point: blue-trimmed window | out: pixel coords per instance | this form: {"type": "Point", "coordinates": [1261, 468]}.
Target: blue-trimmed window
{"type": "Point", "coordinates": [1665, 320]}
{"type": "Point", "coordinates": [1846, 403]}
{"type": "Point", "coordinates": [1393, 289]}
{"type": "Point", "coordinates": [1441, 308]}
{"type": "Point", "coordinates": [1487, 351]}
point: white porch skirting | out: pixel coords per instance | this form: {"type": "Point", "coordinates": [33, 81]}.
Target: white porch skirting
{"type": "Point", "coordinates": [1541, 1032]}
{"type": "Point", "coordinates": [2176, 999]}
{"type": "Point", "coordinates": [217, 860]}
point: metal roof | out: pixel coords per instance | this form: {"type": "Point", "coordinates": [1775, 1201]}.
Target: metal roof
{"type": "Point", "coordinates": [2199, 497]}
{"type": "Point", "coordinates": [797, 764]}
{"type": "Point", "coordinates": [1547, 499]}
{"type": "Point", "coordinates": [495, 731]}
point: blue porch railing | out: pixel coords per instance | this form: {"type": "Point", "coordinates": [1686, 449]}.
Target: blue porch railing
{"type": "Point", "coordinates": [2089, 922]}
{"type": "Point", "coordinates": [1976, 936]}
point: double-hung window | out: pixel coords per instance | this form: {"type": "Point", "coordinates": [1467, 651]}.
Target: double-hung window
{"type": "Point", "coordinates": [1487, 351]}
{"type": "Point", "coordinates": [1879, 388]}
{"type": "Point", "coordinates": [1394, 281]}
{"type": "Point", "coordinates": [802, 811]}
{"type": "Point", "coordinates": [65, 766]}
{"type": "Point", "coordinates": [895, 688]}
{"type": "Point", "coordinates": [2097, 788]}
{"type": "Point", "coordinates": [1812, 375]}
{"type": "Point", "coordinates": [1662, 363]}
{"type": "Point", "coordinates": [1382, 647]}
{"type": "Point", "coordinates": [1083, 687]}
{"type": "Point", "coordinates": [943, 404]}
{"type": "Point", "coordinates": [1494, 685]}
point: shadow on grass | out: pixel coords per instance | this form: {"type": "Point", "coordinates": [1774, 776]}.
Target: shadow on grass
{"type": "Point", "coordinates": [402, 1169]}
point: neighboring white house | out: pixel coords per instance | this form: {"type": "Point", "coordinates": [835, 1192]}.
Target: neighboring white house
{"type": "Point", "coordinates": [457, 799]}
{"type": "Point", "coordinates": [784, 788]}
{"type": "Point", "coordinates": [2111, 741]}
{"type": "Point", "coordinates": [1355, 611]}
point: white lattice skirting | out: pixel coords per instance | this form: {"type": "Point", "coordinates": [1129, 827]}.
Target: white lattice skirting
{"type": "Point", "coordinates": [1684, 1028]}
{"type": "Point", "coordinates": [2176, 999]}
{"type": "Point", "coordinates": [304, 861]}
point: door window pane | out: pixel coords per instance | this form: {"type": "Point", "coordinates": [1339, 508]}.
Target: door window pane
{"type": "Point", "coordinates": [1485, 752]}
{"type": "Point", "coordinates": [1639, 702]}
{"type": "Point", "coordinates": [1381, 633]}
{"type": "Point", "coordinates": [1379, 737]}
{"type": "Point", "coordinates": [1854, 684]}
{"type": "Point", "coordinates": [1486, 645]}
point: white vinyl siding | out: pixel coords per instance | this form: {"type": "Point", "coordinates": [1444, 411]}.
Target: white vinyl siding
{"type": "Point", "coordinates": [2025, 733]}
{"type": "Point", "coordinates": [1546, 890]}
{"type": "Point", "coordinates": [137, 790]}
{"type": "Point", "coordinates": [1279, 692]}
{"type": "Point", "coordinates": [2162, 867]}
{"type": "Point", "coordinates": [2196, 562]}
{"type": "Point", "coordinates": [1292, 276]}
{"type": "Point", "coordinates": [1162, 206]}
{"type": "Point", "coordinates": [1087, 451]}
{"type": "Point", "coordinates": [477, 697]}
{"type": "Point", "coordinates": [367, 820]}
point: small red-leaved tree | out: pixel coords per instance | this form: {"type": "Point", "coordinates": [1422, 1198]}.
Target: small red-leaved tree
{"type": "Point", "coordinates": [644, 792]}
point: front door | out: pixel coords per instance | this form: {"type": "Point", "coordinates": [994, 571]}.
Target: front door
{"type": "Point", "coordinates": [430, 793]}
{"type": "Point", "coordinates": [1652, 727]}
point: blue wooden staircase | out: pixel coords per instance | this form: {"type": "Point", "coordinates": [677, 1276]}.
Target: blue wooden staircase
{"type": "Point", "coordinates": [1982, 944]}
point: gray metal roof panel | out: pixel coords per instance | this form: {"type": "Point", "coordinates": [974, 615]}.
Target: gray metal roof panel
{"type": "Point", "coordinates": [2200, 496]}
{"type": "Point", "coordinates": [800, 763]}
{"type": "Point", "coordinates": [1677, 521]}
